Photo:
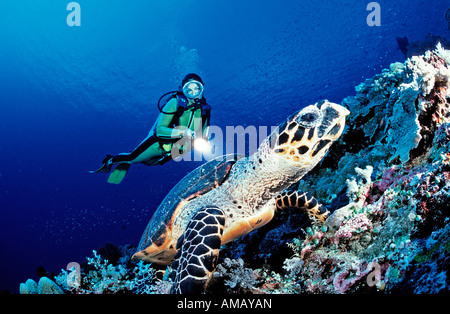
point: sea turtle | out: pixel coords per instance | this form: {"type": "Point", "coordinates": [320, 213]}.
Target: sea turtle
{"type": "Point", "coordinates": [229, 196]}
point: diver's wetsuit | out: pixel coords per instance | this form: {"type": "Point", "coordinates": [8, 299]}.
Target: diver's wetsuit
{"type": "Point", "coordinates": [156, 148]}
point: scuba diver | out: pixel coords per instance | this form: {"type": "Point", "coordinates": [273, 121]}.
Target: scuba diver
{"type": "Point", "coordinates": [183, 118]}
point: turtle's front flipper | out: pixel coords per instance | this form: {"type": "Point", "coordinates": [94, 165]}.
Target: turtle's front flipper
{"type": "Point", "coordinates": [198, 251]}
{"type": "Point", "coordinates": [317, 213]}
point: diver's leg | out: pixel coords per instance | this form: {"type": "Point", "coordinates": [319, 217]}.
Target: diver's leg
{"type": "Point", "coordinates": [142, 154]}
{"type": "Point", "coordinates": [146, 152]}
{"type": "Point", "coordinates": [148, 149]}
{"type": "Point", "coordinates": [106, 165]}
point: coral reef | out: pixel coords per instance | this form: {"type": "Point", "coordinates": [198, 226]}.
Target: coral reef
{"type": "Point", "coordinates": [98, 275]}
{"type": "Point", "coordinates": [48, 286]}
{"type": "Point", "coordinates": [386, 183]}
{"type": "Point", "coordinates": [44, 286]}
{"type": "Point", "coordinates": [235, 274]}
{"type": "Point", "coordinates": [29, 287]}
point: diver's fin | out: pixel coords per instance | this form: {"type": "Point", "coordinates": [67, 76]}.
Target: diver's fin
{"type": "Point", "coordinates": [106, 165]}
{"type": "Point", "coordinates": [118, 174]}
{"type": "Point", "coordinates": [103, 168]}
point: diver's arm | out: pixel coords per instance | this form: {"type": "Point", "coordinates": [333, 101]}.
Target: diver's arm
{"type": "Point", "coordinates": [206, 122]}
{"type": "Point", "coordinates": [205, 128]}
{"type": "Point", "coordinates": [163, 129]}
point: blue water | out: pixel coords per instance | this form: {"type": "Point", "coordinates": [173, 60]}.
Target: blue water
{"type": "Point", "coordinates": [70, 95]}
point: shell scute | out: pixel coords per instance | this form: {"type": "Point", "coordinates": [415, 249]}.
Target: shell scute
{"type": "Point", "coordinates": [198, 182]}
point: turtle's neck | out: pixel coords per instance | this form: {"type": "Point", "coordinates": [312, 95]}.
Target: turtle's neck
{"type": "Point", "coordinates": [260, 177]}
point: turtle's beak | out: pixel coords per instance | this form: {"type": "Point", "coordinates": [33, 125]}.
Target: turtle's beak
{"type": "Point", "coordinates": [333, 122]}
{"type": "Point", "coordinates": [343, 112]}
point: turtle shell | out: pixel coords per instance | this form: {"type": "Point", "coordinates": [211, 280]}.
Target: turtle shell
{"type": "Point", "coordinates": [198, 182]}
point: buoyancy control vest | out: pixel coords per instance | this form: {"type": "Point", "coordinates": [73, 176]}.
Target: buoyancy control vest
{"type": "Point", "coordinates": [182, 106]}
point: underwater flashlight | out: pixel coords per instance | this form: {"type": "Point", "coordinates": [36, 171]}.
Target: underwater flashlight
{"type": "Point", "coordinates": [202, 145]}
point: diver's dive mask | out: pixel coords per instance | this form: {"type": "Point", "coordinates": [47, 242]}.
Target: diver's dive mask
{"type": "Point", "coordinates": [193, 89]}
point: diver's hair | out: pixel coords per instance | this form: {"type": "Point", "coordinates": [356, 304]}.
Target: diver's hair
{"type": "Point", "coordinates": [190, 77]}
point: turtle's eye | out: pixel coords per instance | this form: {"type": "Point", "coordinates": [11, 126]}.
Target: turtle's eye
{"type": "Point", "coordinates": [309, 117]}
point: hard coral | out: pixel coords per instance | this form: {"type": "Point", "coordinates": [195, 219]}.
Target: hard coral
{"type": "Point", "coordinates": [29, 287]}
{"type": "Point", "coordinates": [400, 119]}
{"type": "Point", "coordinates": [389, 188]}
{"type": "Point", "coordinates": [44, 286]}
{"type": "Point", "coordinates": [48, 286]}
{"type": "Point", "coordinates": [353, 227]}
{"type": "Point", "coordinates": [99, 276]}
{"type": "Point", "coordinates": [235, 275]}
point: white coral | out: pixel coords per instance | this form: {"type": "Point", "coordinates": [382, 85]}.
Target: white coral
{"type": "Point", "coordinates": [444, 54]}
{"type": "Point", "coordinates": [357, 187]}
{"type": "Point", "coordinates": [293, 266]}
{"type": "Point", "coordinates": [235, 274]}
{"type": "Point", "coordinates": [425, 73]}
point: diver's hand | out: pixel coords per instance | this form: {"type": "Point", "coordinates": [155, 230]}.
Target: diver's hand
{"type": "Point", "coordinates": [189, 134]}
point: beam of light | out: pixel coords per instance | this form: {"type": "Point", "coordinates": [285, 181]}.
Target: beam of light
{"type": "Point", "coordinates": [202, 145]}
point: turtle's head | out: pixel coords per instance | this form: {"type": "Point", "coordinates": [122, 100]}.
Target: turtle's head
{"type": "Point", "coordinates": [305, 137]}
